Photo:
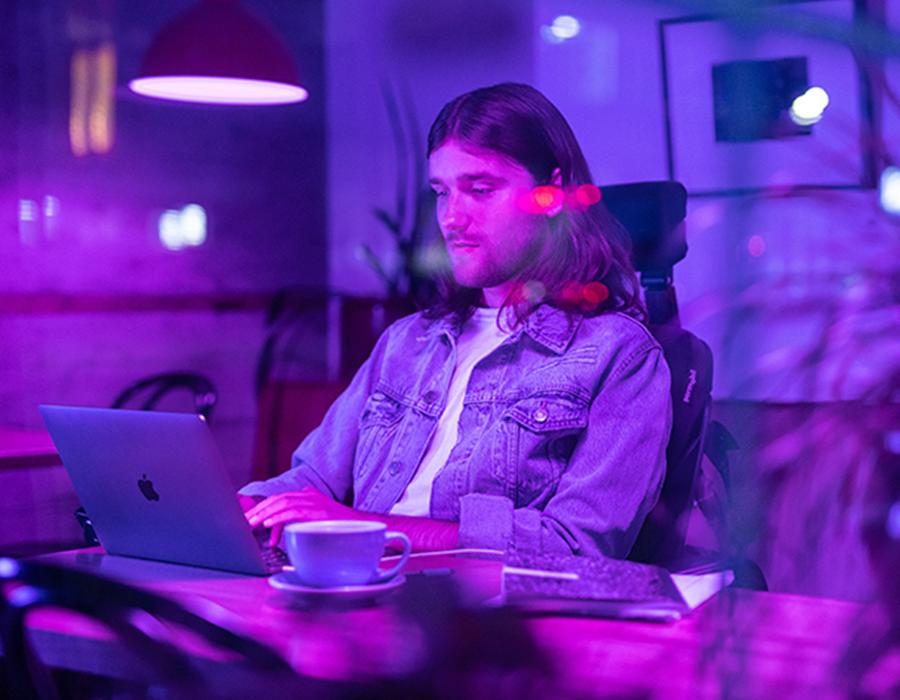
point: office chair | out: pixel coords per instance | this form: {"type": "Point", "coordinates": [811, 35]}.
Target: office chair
{"type": "Point", "coordinates": [146, 393]}
{"type": "Point", "coordinates": [653, 213]}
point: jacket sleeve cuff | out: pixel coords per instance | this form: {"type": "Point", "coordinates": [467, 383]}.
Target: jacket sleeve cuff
{"type": "Point", "coordinates": [491, 522]}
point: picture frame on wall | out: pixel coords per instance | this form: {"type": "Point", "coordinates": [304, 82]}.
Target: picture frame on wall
{"type": "Point", "coordinates": [727, 95]}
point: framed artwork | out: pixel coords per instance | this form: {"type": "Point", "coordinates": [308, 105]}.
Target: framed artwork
{"type": "Point", "coordinates": [727, 98]}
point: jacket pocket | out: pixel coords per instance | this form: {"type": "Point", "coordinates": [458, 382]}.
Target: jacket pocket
{"type": "Point", "coordinates": [541, 433]}
{"type": "Point", "coordinates": [378, 422]}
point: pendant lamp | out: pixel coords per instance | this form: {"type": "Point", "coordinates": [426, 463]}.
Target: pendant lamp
{"type": "Point", "coordinates": [218, 52]}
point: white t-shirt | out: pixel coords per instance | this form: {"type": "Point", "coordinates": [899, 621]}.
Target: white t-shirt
{"type": "Point", "coordinates": [479, 337]}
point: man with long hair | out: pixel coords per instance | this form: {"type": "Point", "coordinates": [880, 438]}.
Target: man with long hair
{"type": "Point", "coordinates": [527, 407]}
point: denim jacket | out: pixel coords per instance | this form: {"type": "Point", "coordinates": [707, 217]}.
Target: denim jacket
{"type": "Point", "coordinates": [562, 434]}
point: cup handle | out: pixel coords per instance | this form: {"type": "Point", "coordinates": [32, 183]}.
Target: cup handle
{"type": "Point", "coordinates": [382, 575]}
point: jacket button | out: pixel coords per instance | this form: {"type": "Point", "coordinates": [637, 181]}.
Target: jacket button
{"type": "Point", "coordinates": [394, 468]}
{"type": "Point", "coordinates": [540, 415]}
{"type": "Point", "coordinates": [430, 396]}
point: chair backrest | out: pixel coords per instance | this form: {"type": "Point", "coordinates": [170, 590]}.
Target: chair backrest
{"type": "Point", "coordinates": [690, 361]}
{"type": "Point", "coordinates": [146, 393]}
{"type": "Point", "coordinates": [653, 213]}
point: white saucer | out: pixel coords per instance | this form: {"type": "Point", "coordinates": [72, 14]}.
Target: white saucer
{"type": "Point", "coordinates": [287, 582]}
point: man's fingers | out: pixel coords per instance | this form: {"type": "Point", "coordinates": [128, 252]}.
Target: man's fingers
{"type": "Point", "coordinates": [263, 505]}
{"type": "Point", "coordinates": [247, 503]}
{"type": "Point", "coordinates": [270, 507]}
{"type": "Point", "coordinates": [292, 516]}
{"type": "Point", "coordinates": [275, 535]}
{"type": "Point", "coordinates": [280, 500]}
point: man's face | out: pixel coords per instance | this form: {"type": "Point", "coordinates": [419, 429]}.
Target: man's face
{"type": "Point", "coordinates": [489, 237]}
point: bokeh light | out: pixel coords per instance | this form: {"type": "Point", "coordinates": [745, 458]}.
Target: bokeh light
{"type": "Point", "coordinates": [583, 197]}
{"type": "Point", "coordinates": [756, 246]}
{"type": "Point", "coordinates": [534, 291]}
{"type": "Point", "coordinates": [544, 199]}
{"type": "Point", "coordinates": [183, 228]}
{"type": "Point", "coordinates": [586, 297]}
{"type": "Point", "coordinates": [595, 293]}
{"type": "Point", "coordinates": [571, 293]}
{"type": "Point", "coordinates": [588, 195]}
{"type": "Point", "coordinates": [705, 217]}
{"type": "Point", "coordinates": [170, 230]}
{"type": "Point", "coordinates": [562, 28]}
{"type": "Point", "coordinates": [51, 206]}
{"type": "Point", "coordinates": [432, 259]}
{"type": "Point", "coordinates": [28, 210]}
{"type": "Point", "coordinates": [9, 567]}
{"type": "Point", "coordinates": [893, 521]}
{"type": "Point", "coordinates": [92, 83]}
{"type": "Point", "coordinates": [889, 190]}
{"type": "Point", "coordinates": [808, 108]}
{"type": "Point", "coordinates": [565, 27]}
{"type": "Point", "coordinates": [548, 199]}
{"type": "Point", "coordinates": [193, 224]}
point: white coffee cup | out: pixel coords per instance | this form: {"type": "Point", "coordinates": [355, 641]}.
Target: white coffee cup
{"type": "Point", "coordinates": [330, 553]}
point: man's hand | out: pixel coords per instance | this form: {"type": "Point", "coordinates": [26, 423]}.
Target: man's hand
{"type": "Point", "coordinates": [307, 504]}
{"type": "Point", "coordinates": [297, 506]}
{"type": "Point", "coordinates": [247, 502]}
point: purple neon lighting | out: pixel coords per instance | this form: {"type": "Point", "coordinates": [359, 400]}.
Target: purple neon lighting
{"type": "Point", "coordinates": [217, 90]}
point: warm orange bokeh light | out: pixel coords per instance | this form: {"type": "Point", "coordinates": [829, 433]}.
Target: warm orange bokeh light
{"type": "Point", "coordinates": [586, 297]}
{"type": "Point", "coordinates": [595, 293]}
{"type": "Point", "coordinates": [571, 293]}
{"type": "Point", "coordinates": [92, 101]}
{"type": "Point", "coordinates": [543, 199]}
{"type": "Point", "coordinates": [547, 199]}
{"type": "Point", "coordinates": [546, 196]}
{"type": "Point", "coordinates": [588, 195]}
{"type": "Point", "coordinates": [583, 197]}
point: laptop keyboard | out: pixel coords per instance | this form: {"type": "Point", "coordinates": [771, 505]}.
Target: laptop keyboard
{"type": "Point", "coordinates": [274, 559]}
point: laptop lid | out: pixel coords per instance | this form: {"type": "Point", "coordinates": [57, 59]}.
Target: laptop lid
{"type": "Point", "coordinates": [154, 486]}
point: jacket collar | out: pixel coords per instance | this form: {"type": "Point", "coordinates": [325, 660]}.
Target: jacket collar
{"type": "Point", "coordinates": [546, 325]}
{"type": "Point", "coordinates": [552, 327]}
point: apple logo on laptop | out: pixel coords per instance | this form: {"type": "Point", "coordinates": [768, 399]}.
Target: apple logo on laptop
{"type": "Point", "coordinates": [146, 487]}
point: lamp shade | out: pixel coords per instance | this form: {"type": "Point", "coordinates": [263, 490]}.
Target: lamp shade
{"type": "Point", "coordinates": [218, 52]}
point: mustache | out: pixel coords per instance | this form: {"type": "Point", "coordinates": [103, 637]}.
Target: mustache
{"type": "Point", "coordinates": [460, 240]}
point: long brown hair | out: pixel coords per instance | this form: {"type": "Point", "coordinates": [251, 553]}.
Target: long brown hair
{"type": "Point", "coordinates": [588, 245]}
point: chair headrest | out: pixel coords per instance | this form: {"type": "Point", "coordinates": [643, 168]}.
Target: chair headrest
{"type": "Point", "coordinates": [652, 213]}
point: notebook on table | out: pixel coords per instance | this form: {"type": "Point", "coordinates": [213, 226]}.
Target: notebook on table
{"type": "Point", "coordinates": [599, 587]}
{"type": "Point", "coordinates": [155, 487]}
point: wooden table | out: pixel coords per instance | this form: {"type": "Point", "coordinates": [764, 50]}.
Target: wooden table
{"type": "Point", "coordinates": [740, 644]}
{"type": "Point", "coordinates": [38, 498]}
{"type": "Point", "coordinates": [26, 449]}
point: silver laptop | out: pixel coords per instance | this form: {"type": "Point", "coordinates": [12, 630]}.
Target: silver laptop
{"type": "Point", "coordinates": [155, 487]}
